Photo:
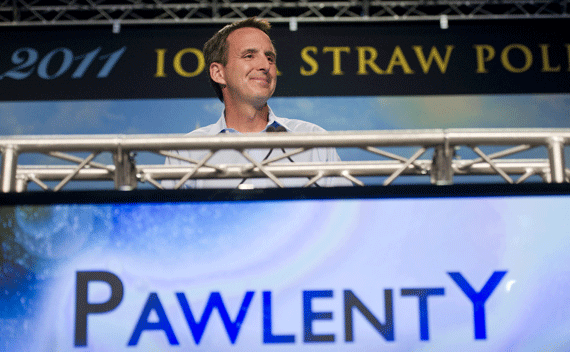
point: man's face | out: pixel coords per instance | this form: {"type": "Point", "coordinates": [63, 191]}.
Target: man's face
{"type": "Point", "coordinates": [250, 73]}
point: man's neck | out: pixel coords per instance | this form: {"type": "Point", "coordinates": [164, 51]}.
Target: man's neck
{"type": "Point", "coordinates": [247, 118]}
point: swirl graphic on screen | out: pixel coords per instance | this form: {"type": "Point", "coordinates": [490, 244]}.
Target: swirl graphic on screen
{"type": "Point", "coordinates": [56, 232]}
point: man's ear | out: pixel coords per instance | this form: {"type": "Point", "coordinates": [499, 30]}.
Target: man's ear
{"type": "Point", "coordinates": [217, 73]}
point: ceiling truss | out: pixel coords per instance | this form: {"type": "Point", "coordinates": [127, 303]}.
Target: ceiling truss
{"type": "Point", "coordinates": [16, 13]}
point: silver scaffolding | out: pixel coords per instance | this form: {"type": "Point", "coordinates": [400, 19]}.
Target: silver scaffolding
{"type": "Point", "coordinates": [432, 154]}
{"type": "Point", "coordinates": [18, 13]}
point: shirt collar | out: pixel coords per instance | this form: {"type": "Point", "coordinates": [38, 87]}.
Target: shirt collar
{"type": "Point", "coordinates": [222, 127]}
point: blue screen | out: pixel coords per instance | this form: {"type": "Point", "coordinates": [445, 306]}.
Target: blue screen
{"type": "Point", "coordinates": [467, 273]}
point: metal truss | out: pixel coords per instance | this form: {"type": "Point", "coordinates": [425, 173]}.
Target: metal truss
{"type": "Point", "coordinates": [381, 164]}
{"type": "Point", "coordinates": [117, 12]}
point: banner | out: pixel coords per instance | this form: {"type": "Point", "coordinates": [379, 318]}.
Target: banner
{"type": "Point", "coordinates": [469, 274]}
{"type": "Point", "coordinates": [476, 57]}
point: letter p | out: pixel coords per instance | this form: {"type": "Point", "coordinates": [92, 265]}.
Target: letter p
{"type": "Point", "coordinates": [83, 307]}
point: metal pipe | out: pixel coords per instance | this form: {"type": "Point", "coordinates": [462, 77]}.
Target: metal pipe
{"type": "Point", "coordinates": [227, 141]}
{"type": "Point", "coordinates": [348, 139]}
{"type": "Point", "coordinates": [9, 167]}
{"type": "Point", "coordinates": [556, 157]}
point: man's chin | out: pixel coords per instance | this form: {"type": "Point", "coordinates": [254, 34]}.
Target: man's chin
{"type": "Point", "coordinates": [259, 103]}
{"type": "Point", "coordinates": [262, 96]}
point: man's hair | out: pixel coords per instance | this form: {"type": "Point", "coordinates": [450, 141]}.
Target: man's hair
{"type": "Point", "coordinates": [216, 48]}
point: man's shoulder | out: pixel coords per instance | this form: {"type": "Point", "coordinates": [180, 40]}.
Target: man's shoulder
{"type": "Point", "coordinates": [299, 125]}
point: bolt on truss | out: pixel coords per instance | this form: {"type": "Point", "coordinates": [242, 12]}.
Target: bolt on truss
{"type": "Point", "coordinates": [443, 148]}
{"type": "Point", "coordinates": [104, 12]}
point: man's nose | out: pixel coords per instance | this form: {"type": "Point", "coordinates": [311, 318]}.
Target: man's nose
{"type": "Point", "coordinates": [264, 64]}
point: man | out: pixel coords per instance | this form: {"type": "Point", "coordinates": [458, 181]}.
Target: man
{"type": "Point", "coordinates": [242, 67]}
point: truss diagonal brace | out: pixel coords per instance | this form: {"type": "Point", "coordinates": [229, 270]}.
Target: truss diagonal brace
{"type": "Point", "coordinates": [506, 152]}
{"type": "Point", "coordinates": [38, 182]}
{"type": "Point", "coordinates": [78, 160]}
{"type": "Point", "coordinates": [351, 178]}
{"type": "Point", "coordinates": [493, 165]}
{"type": "Point", "coordinates": [75, 171]}
{"type": "Point", "coordinates": [196, 167]}
{"type": "Point", "coordinates": [189, 160]}
{"type": "Point", "coordinates": [317, 177]}
{"type": "Point", "coordinates": [263, 169]}
{"type": "Point", "coordinates": [406, 164]}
